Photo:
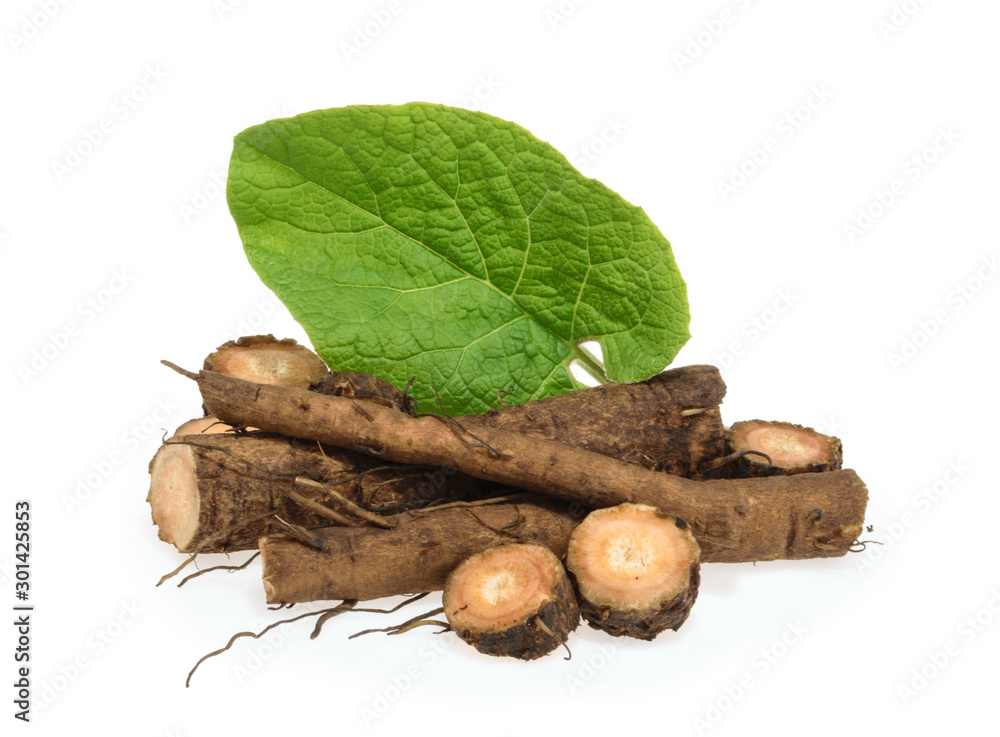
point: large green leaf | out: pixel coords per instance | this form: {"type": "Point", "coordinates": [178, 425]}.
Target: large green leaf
{"type": "Point", "coordinates": [450, 245]}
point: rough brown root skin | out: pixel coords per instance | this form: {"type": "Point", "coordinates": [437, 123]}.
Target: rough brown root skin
{"type": "Point", "coordinates": [738, 519]}
{"type": "Point", "coordinates": [415, 556]}
{"type": "Point", "coordinates": [267, 360]}
{"type": "Point", "coordinates": [669, 423]}
{"type": "Point", "coordinates": [364, 388]}
{"type": "Point", "coordinates": [809, 515]}
{"type": "Point", "coordinates": [212, 492]}
{"type": "Point", "coordinates": [513, 600]}
{"type": "Point", "coordinates": [636, 570]}
{"type": "Point", "coordinates": [791, 448]}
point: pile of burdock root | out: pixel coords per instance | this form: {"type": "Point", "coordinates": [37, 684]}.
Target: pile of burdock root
{"type": "Point", "coordinates": [601, 503]}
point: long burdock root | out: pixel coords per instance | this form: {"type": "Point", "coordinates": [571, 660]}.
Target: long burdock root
{"type": "Point", "coordinates": [636, 570]}
{"type": "Point", "coordinates": [267, 360]}
{"type": "Point", "coordinates": [790, 449]}
{"type": "Point", "coordinates": [670, 422]}
{"type": "Point", "coordinates": [802, 516]}
{"type": "Point", "coordinates": [416, 555]}
{"type": "Point", "coordinates": [512, 600]}
{"type": "Point", "coordinates": [215, 492]}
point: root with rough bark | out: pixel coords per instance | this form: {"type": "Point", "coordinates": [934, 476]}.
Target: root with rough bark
{"type": "Point", "coordinates": [202, 485]}
{"type": "Point", "coordinates": [417, 554]}
{"type": "Point", "coordinates": [735, 520]}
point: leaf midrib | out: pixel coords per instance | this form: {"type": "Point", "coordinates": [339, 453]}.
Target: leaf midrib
{"type": "Point", "coordinates": [574, 350]}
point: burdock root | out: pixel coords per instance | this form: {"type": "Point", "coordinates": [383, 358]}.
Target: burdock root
{"type": "Point", "coordinates": [635, 569]}
{"type": "Point", "coordinates": [267, 360]}
{"type": "Point", "coordinates": [512, 600]}
{"type": "Point", "coordinates": [782, 448]}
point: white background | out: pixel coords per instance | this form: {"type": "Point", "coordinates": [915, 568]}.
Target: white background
{"type": "Point", "coordinates": [132, 242]}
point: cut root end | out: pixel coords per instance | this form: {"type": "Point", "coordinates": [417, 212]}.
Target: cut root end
{"type": "Point", "coordinates": [636, 570]}
{"type": "Point", "coordinates": [791, 449]}
{"type": "Point", "coordinates": [266, 360]}
{"type": "Point", "coordinates": [512, 600]}
{"type": "Point", "coordinates": [173, 494]}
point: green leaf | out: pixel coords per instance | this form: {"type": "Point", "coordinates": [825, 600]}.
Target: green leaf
{"type": "Point", "coordinates": [450, 245]}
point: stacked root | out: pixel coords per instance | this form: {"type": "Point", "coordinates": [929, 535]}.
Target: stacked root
{"type": "Point", "coordinates": [351, 493]}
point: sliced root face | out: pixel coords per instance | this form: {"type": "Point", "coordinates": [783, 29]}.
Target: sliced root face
{"type": "Point", "coordinates": [636, 570]}
{"type": "Point", "coordinates": [266, 360]}
{"type": "Point", "coordinates": [173, 495]}
{"type": "Point", "coordinates": [512, 600]}
{"type": "Point", "coordinates": [791, 449]}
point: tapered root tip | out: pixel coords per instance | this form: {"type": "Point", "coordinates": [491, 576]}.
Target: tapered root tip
{"type": "Point", "coordinates": [182, 372]}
